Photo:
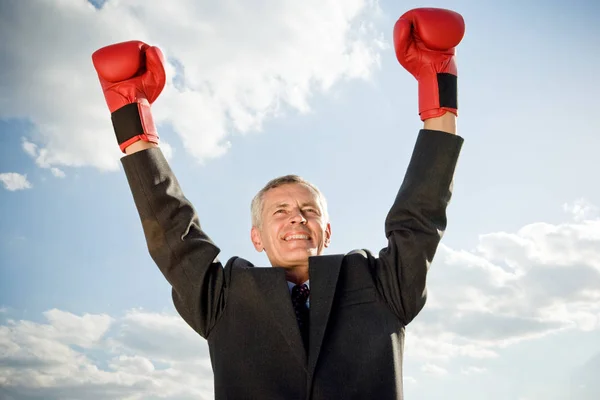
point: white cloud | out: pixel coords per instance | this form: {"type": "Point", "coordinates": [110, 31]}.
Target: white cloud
{"type": "Point", "coordinates": [14, 181]}
{"type": "Point", "coordinates": [231, 66]}
{"type": "Point", "coordinates": [30, 148]}
{"type": "Point", "coordinates": [434, 370]}
{"type": "Point", "coordinates": [473, 370]}
{"type": "Point", "coordinates": [167, 338]}
{"type": "Point", "coordinates": [57, 172]}
{"type": "Point", "coordinates": [91, 357]}
{"type": "Point", "coordinates": [542, 280]}
{"type": "Point", "coordinates": [581, 209]}
{"type": "Point", "coordinates": [167, 150]}
{"type": "Point", "coordinates": [40, 156]}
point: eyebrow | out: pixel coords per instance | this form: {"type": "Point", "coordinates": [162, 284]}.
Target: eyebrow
{"type": "Point", "coordinates": [302, 205]}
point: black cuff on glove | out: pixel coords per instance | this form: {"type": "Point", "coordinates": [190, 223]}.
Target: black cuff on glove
{"type": "Point", "coordinates": [448, 90]}
{"type": "Point", "coordinates": [127, 122]}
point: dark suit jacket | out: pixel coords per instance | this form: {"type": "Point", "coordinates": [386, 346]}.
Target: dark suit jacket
{"type": "Point", "coordinates": [359, 305]}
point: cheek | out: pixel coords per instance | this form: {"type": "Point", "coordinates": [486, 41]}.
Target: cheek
{"type": "Point", "coordinates": [273, 233]}
{"type": "Point", "coordinates": [319, 228]}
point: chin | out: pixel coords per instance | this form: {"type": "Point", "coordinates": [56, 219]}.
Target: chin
{"type": "Point", "coordinates": [299, 255]}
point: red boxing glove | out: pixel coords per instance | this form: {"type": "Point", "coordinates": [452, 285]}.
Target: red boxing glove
{"type": "Point", "coordinates": [425, 40]}
{"type": "Point", "coordinates": [132, 75]}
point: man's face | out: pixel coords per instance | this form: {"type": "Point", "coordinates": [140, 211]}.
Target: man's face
{"type": "Point", "coordinates": [293, 227]}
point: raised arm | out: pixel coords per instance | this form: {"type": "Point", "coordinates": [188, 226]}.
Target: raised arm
{"type": "Point", "coordinates": [132, 76]}
{"type": "Point", "coordinates": [425, 41]}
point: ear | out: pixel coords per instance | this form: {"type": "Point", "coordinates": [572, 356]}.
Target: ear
{"type": "Point", "coordinates": [327, 237]}
{"type": "Point", "coordinates": [256, 239]}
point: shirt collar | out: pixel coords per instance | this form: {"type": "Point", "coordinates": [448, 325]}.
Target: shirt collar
{"type": "Point", "coordinates": [292, 284]}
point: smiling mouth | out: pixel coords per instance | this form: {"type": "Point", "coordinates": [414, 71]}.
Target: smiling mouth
{"type": "Point", "coordinates": [296, 237]}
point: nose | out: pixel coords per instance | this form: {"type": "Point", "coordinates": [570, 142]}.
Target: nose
{"type": "Point", "coordinates": [298, 218]}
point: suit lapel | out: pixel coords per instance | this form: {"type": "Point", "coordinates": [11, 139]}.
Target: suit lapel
{"type": "Point", "coordinates": [273, 286]}
{"type": "Point", "coordinates": [324, 272]}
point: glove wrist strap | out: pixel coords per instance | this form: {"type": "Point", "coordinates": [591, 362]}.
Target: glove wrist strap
{"type": "Point", "coordinates": [134, 122]}
{"type": "Point", "coordinates": [438, 93]}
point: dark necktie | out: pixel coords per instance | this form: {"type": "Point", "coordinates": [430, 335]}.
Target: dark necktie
{"type": "Point", "coordinates": [299, 296]}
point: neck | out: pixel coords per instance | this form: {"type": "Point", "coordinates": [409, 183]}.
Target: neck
{"type": "Point", "coordinates": [297, 275]}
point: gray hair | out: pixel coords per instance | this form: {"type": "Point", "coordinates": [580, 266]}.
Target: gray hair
{"type": "Point", "coordinates": [256, 207]}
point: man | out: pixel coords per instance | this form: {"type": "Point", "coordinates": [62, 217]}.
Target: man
{"type": "Point", "coordinates": [314, 326]}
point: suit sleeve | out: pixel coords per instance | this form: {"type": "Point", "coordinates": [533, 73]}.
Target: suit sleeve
{"type": "Point", "coordinates": [416, 222]}
{"type": "Point", "coordinates": [182, 251]}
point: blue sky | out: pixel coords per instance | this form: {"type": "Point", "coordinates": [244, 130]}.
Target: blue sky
{"type": "Point", "coordinates": [514, 289]}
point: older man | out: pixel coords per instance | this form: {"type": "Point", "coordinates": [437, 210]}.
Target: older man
{"type": "Point", "coordinates": [314, 326]}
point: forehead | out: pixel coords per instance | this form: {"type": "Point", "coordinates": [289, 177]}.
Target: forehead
{"type": "Point", "coordinates": [290, 193]}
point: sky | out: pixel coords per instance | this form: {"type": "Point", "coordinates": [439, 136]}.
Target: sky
{"type": "Point", "coordinates": [262, 88]}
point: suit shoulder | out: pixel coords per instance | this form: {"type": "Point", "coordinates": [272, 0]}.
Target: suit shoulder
{"type": "Point", "coordinates": [360, 253]}
{"type": "Point", "coordinates": [238, 262]}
